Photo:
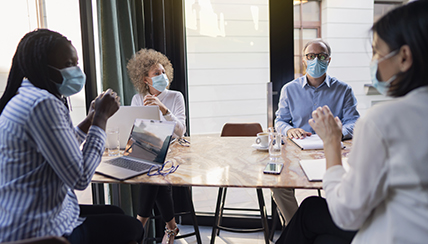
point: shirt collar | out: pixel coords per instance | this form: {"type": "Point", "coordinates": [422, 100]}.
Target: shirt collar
{"type": "Point", "coordinates": [327, 81]}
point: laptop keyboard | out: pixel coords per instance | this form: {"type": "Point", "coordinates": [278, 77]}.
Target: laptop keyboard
{"type": "Point", "coordinates": [129, 164]}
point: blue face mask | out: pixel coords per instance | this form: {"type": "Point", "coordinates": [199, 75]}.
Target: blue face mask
{"type": "Point", "coordinates": [381, 86]}
{"type": "Point", "coordinates": [160, 82]}
{"type": "Point", "coordinates": [73, 80]}
{"type": "Point", "coordinates": [316, 68]}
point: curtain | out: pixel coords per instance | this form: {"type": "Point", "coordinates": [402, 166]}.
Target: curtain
{"type": "Point", "coordinates": [119, 27]}
{"type": "Point", "coordinates": [118, 35]}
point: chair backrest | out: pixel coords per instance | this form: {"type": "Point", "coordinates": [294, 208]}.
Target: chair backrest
{"type": "Point", "coordinates": [241, 129]}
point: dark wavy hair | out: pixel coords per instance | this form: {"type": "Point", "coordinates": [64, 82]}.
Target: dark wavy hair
{"type": "Point", "coordinates": [31, 61]}
{"type": "Point", "coordinates": [407, 25]}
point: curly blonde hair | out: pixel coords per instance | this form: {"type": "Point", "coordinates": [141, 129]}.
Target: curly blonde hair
{"type": "Point", "coordinates": [139, 66]}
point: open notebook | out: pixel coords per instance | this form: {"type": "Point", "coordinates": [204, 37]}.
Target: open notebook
{"type": "Point", "coordinates": [310, 142]}
{"type": "Point", "coordinates": [315, 169]}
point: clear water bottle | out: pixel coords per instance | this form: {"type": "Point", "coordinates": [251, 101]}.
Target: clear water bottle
{"type": "Point", "coordinates": [274, 145]}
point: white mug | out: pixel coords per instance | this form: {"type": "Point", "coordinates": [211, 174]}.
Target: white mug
{"type": "Point", "coordinates": [262, 139]}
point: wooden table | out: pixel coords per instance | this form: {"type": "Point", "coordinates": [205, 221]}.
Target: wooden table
{"type": "Point", "coordinates": [227, 162]}
{"type": "Point", "coordinates": [231, 162]}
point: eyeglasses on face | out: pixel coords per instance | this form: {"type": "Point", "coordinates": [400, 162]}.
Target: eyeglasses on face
{"type": "Point", "coordinates": [320, 56]}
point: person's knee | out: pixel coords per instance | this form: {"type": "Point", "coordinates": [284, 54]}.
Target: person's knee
{"type": "Point", "coordinates": [312, 202]}
{"type": "Point", "coordinates": [112, 209]}
{"type": "Point", "coordinates": [282, 196]}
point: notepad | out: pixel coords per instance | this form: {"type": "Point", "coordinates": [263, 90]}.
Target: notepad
{"type": "Point", "coordinates": [315, 169]}
{"type": "Point", "coordinates": [310, 142]}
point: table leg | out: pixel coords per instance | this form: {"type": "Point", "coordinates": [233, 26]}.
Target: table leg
{"type": "Point", "coordinates": [98, 196]}
{"type": "Point", "coordinates": [217, 214]}
{"type": "Point", "coordinates": [263, 214]}
{"type": "Point", "coordinates": [115, 195]}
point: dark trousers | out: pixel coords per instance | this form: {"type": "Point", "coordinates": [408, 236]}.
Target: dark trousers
{"type": "Point", "coordinates": [162, 195]}
{"type": "Point", "coordinates": [312, 223]}
{"type": "Point", "coordinates": [106, 224]}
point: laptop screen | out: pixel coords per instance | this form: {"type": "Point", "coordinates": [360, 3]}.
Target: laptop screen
{"type": "Point", "coordinates": [149, 140]}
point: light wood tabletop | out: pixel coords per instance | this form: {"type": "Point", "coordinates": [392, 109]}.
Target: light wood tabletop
{"type": "Point", "coordinates": [230, 162]}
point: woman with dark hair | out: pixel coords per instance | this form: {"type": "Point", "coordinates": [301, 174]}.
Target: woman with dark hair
{"type": "Point", "coordinates": [383, 198]}
{"type": "Point", "coordinates": [41, 163]}
{"type": "Point", "coordinates": [151, 73]}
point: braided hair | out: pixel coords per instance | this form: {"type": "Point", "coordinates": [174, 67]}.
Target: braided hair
{"type": "Point", "coordinates": [31, 61]}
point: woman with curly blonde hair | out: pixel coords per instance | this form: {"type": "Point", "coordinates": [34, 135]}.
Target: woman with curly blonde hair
{"type": "Point", "coordinates": [151, 73]}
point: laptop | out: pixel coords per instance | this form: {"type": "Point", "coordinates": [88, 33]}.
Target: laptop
{"type": "Point", "coordinates": [148, 145]}
{"type": "Point", "coordinates": [124, 119]}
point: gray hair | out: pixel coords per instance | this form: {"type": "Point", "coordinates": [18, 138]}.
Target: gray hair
{"type": "Point", "coordinates": [318, 40]}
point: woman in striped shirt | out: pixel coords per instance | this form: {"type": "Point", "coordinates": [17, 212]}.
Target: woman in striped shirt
{"type": "Point", "coordinates": [41, 160]}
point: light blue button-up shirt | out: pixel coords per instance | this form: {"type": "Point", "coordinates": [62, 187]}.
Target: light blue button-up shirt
{"type": "Point", "coordinates": [298, 100]}
{"type": "Point", "coordinates": [41, 164]}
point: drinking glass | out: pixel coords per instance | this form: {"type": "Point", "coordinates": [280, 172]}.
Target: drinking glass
{"type": "Point", "coordinates": [112, 143]}
{"type": "Point", "coordinates": [274, 145]}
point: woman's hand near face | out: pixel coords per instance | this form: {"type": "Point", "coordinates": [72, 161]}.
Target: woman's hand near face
{"type": "Point", "coordinates": [91, 111]}
{"type": "Point", "coordinates": [106, 104]}
{"type": "Point", "coordinates": [87, 122]}
{"type": "Point", "coordinates": [153, 100]}
{"type": "Point", "coordinates": [328, 127]}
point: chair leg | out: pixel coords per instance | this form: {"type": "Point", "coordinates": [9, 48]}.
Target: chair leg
{"type": "Point", "coordinates": [263, 214]}
{"type": "Point", "coordinates": [319, 192]}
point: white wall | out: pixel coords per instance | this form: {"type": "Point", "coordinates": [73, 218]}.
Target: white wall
{"type": "Point", "coordinates": [346, 27]}
{"type": "Point", "coordinates": [228, 62]}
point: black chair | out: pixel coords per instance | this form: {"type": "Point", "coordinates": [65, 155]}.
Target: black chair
{"type": "Point", "coordinates": [239, 129]}
{"type": "Point", "coordinates": [184, 208]}
{"type": "Point", "coordinates": [46, 240]}
{"type": "Point", "coordinates": [41, 240]}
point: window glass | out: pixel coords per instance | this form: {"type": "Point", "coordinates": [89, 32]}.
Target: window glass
{"type": "Point", "coordinates": [23, 16]}
{"type": "Point", "coordinates": [307, 26]}
{"type": "Point", "coordinates": [227, 44]}
{"type": "Point", "coordinates": [58, 20]}
{"type": "Point", "coordinates": [380, 9]}
{"type": "Point", "coordinates": [228, 62]}
{"type": "Point", "coordinates": [310, 11]}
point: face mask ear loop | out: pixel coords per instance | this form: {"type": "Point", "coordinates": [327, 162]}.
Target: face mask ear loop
{"type": "Point", "coordinates": [69, 104]}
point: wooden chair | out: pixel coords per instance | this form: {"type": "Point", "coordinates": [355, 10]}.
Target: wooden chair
{"type": "Point", "coordinates": [239, 129]}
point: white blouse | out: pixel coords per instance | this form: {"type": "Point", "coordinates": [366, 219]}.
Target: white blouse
{"type": "Point", "coordinates": [385, 192]}
{"type": "Point", "coordinates": [174, 101]}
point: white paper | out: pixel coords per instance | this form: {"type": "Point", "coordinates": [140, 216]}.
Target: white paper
{"type": "Point", "coordinates": [310, 142]}
{"type": "Point", "coordinates": [315, 168]}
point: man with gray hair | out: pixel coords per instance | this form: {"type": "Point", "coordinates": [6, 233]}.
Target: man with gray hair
{"type": "Point", "coordinates": [302, 96]}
